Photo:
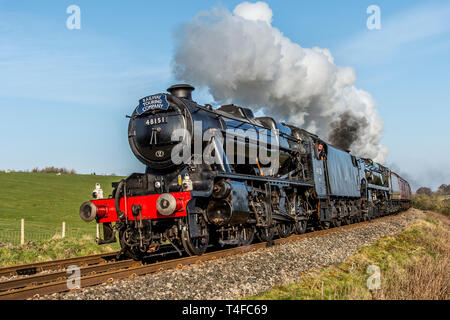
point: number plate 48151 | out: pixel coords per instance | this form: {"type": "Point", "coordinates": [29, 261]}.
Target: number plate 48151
{"type": "Point", "coordinates": [156, 120]}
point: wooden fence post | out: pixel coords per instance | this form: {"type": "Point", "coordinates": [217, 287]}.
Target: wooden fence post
{"type": "Point", "coordinates": [98, 231]}
{"type": "Point", "coordinates": [22, 232]}
{"type": "Point", "coordinates": [63, 230]}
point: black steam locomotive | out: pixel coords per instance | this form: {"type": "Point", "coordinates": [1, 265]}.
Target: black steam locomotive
{"type": "Point", "coordinates": [223, 177]}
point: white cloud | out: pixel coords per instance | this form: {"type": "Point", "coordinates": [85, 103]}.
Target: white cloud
{"type": "Point", "coordinates": [258, 11]}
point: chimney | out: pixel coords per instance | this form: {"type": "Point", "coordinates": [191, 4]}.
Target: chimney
{"type": "Point", "coordinates": [182, 91]}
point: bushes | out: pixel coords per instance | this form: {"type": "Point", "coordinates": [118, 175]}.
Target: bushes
{"type": "Point", "coordinates": [54, 170]}
{"type": "Point", "coordinates": [439, 201]}
{"type": "Point", "coordinates": [432, 203]}
{"type": "Point", "coordinates": [425, 191]}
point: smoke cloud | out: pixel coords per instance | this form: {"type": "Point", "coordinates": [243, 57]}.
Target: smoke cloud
{"type": "Point", "coordinates": [241, 58]}
{"type": "Point", "coordinates": [346, 130]}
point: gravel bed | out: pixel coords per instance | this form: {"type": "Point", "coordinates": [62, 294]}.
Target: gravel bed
{"type": "Point", "coordinates": [249, 273]}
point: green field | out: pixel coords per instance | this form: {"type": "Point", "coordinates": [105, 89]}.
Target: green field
{"type": "Point", "coordinates": [45, 200]}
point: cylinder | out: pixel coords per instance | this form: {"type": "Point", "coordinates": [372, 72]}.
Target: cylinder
{"type": "Point", "coordinates": [221, 190]}
{"type": "Point", "coordinates": [219, 212]}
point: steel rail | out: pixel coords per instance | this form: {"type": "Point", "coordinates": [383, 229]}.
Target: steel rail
{"type": "Point", "coordinates": [42, 278]}
{"type": "Point", "coordinates": [132, 268]}
{"type": "Point", "coordinates": [30, 269]}
{"type": "Point", "coordinates": [62, 274]}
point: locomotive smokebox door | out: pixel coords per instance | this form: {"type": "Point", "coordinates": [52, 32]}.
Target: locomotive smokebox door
{"type": "Point", "coordinates": [152, 126]}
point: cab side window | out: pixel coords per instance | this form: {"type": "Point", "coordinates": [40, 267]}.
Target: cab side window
{"type": "Point", "coordinates": [355, 163]}
{"type": "Point", "coordinates": [320, 150]}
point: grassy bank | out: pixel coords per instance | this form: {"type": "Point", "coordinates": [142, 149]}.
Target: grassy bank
{"type": "Point", "coordinates": [54, 249]}
{"type": "Point", "coordinates": [45, 200]}
{"type": "Point", "coordinates": [413, 265]}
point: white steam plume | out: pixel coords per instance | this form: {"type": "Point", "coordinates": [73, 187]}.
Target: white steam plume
{"type": "Point", "coordinates": [243, 59]}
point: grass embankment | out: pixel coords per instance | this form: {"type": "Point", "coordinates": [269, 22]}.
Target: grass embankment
{"type": "Point", "coordinates": [414, 264]}
{"type": "Point", "coordinates": [37, 251]}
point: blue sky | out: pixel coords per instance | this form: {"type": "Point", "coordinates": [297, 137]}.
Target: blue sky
{"type": "Point", "coordinates": [64, 93]}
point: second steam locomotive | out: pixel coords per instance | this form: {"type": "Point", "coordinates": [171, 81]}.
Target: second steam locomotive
{"type": "Point", "coordinates": [223, 177]}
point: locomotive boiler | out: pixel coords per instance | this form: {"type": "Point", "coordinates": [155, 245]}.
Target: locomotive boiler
{"type": "Point", "coordinates": [221, 177]}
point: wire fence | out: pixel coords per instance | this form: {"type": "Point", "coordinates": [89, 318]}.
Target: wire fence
{"type": "Point", "coordinates": [13, 233]}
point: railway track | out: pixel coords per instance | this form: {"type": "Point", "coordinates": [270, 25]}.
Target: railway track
{"type": "Point", "coordinates": [31, 269]}
{"type": "Point", "coordinates": [96, 270]}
